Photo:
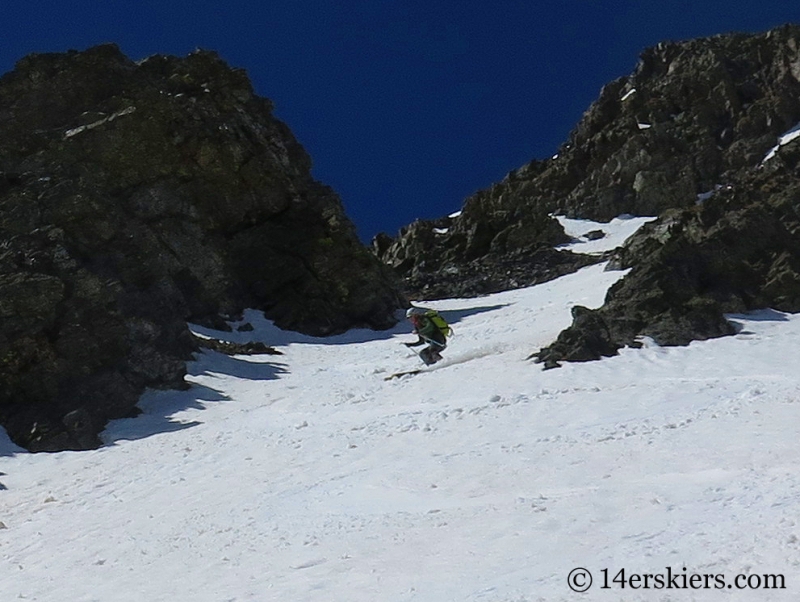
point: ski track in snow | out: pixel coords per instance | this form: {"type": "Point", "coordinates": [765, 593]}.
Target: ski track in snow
{"type": "Point", "coordinates": [485, 479]}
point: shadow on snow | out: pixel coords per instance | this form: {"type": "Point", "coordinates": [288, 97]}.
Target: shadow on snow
{"type": "Point", "coordinates": [760, 315]}
{"type": "Point", "coordinates": [8, 447]}
{"type": "Point", "coordinates": [253, 368]}
{"type": "Point", "coordinates": [454, 316]}
{"type": "Point", "coordinates": [264, 331]}
{"type": "Point", "coordinates": [160, 407]}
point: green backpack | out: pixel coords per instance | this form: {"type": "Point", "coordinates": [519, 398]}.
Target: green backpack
{"type": "Point", "coordinates": [439, 322]}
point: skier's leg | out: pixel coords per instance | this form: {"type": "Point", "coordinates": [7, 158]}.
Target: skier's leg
{"type": "Point", "coordinates": [432, 353]}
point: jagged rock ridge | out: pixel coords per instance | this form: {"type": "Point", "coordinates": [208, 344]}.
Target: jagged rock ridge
{"type": "Point", "coordinates": [684, 137]}
{"type": "Point", "coordinates": [135, 197]}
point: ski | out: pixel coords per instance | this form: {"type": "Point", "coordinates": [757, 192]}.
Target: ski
{"type": "Point", "coordinates": [404, 373]}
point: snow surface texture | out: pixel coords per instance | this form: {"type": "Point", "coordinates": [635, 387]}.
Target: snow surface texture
{"type": "Point", "coordinates": [617, 231]}
{"type": "Point", "coordinates": [307, 477]}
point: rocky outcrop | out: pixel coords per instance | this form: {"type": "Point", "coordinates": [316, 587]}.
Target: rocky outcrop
{"type": "Point", "coordinates": [689, 119]}
{"type": "Point", "coordinates": [135, 197]}
{"type": "Point", "coordinates": [472, 254]}
{"type": "Point", "coordinates": [737, 250]}
{"type": "Point", "coordinates": [688, 137]}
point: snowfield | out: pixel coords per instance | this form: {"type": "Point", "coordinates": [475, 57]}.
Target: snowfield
{"type": "Point", "coordinates": [308, 477]}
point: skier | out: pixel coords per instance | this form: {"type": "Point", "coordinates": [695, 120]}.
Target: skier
{"type": "Point", "coordinates": [431, 328]}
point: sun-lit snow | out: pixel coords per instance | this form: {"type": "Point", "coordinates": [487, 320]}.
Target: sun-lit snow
{"type": "Point", "coordinates": [308, 477]}
{"type": "Point", "coordinates": [90, 126]}
{"type": "Point", "coordinates": [784, 139]}
{"type": "Point", "coordinates": [616, 232]}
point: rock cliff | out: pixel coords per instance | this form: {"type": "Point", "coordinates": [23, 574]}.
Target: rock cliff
{"type": "Point", "coordinates": [135, 197]}
{"type": "Point", "coordinates": [688, 137]}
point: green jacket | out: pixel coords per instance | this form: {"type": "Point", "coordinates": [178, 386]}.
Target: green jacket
{"type": "Point", "coordinates": [427, 330]}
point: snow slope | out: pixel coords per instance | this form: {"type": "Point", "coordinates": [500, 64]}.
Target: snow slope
{"type": "Point", "coordinates": [783, 140]}
{"type": "Point", "coordinates": [616, 232]}
{"type": "Point", "coordinates": [308, 476]}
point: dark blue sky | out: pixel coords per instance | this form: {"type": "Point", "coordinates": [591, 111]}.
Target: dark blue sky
{"type": "Point", "coordinates": [405, 106]}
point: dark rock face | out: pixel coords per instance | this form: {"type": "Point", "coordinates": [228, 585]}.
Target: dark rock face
{"type": "Point", "coordinates": [135, 197]}
{"type": "Point", "coordinates": [474, 255]}
{"type": "Point", "coordinates": [685, 138]}
{"type": "Point", "coordinates": [739, 250]}
{"type": "Point", "coordinates": [691, 115]}
{"type": "Point", "coordinates": [689, 119]}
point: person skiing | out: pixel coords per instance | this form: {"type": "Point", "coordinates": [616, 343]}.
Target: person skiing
{"type": "Point", "coordinates": [429, 332]}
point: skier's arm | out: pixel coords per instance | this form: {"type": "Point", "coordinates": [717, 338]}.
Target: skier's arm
{"type": "Point", "coordinates": [419, 342]}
